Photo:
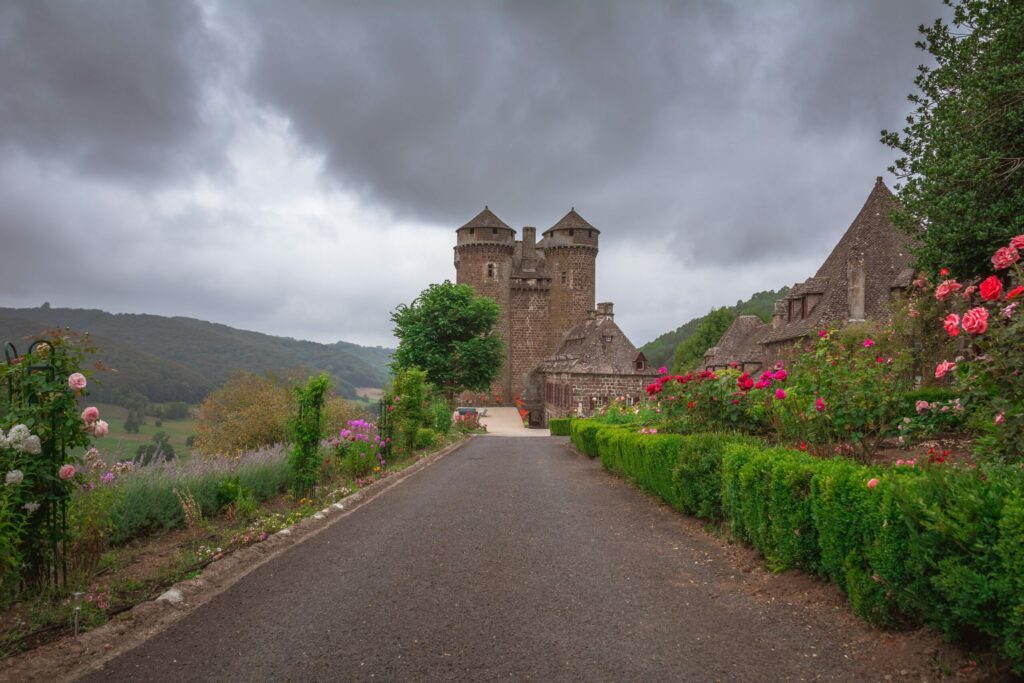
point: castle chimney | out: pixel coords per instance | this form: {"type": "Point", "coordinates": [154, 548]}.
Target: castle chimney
{"type": "Point", "coordinates": [779, 313]}
{"type": "Point", "coordinates": [529, 248]}
{"type": "Point", "coordinates": [604, 310]}
{"type": "Point", "coordinates": [591, 315]}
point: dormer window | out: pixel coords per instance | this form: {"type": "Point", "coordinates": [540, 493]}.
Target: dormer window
{"type": "Point", "coordinates": [640, 363]}
{"type": "Point", "coordinates": [607, 338]}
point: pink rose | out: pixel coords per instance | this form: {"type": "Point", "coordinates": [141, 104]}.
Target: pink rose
{"type": "Point", "coordinates": [66, 472]}
{"type": "Point", "coordinates": [90, 414]}
{"type": "Point", "coordinates": [780, 375]}
{"type": "Point", "coordinates": [1017, 242]}
{"type": "Point", "coordinates": [942, 368]}
{"type": "Point", "coordinates": [952, 324]}
{"type": "Point", "coordinates": [1005, 257]}
{"type": "Point", "coordinates": [780, 394]}
{"type": "Point", "coordinates": [868, 343]}
{"type": "Point", "coordinates": [872, 483]}
{"type": "Point", "coordinates": [975, 321]}
{"type": "Point", "coordinates": [101, 429]}
{"type": "Point", "coordinates": [819, 405]}
{"type": "Point", "coordinates": [663, 370]}
{"type": "Point", "coordinates": [946, 288]}
{"type": "Point", "coordinates": [822, 334]}
{"type": "Point", "coordinates": [922, 407]}
{"type": "Point", "coordinates": [77, 381]}
{"type": "Point", "coordinates": [1000, 418]}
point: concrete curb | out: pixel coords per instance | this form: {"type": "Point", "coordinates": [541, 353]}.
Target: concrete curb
{"type": "Point", "coordinates": [71, 659]}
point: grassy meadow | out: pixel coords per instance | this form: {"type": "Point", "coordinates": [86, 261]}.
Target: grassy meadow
{"type": "Point", "coordinates": [121, 445]}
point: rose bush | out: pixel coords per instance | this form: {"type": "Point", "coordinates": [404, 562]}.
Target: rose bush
{"type": "Point", "coordinates": [989, 369]}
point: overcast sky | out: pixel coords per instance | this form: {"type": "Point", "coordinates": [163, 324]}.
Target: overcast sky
{"type": "Point", "coordinates": [299, 168]}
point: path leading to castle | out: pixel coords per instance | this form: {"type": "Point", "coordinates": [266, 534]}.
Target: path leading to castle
{"type": "Point", "coordinates": [511, 558]}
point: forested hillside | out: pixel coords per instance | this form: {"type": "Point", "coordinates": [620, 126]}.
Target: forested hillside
{"type": "Point", "coordinates": [183, 359]}
{"type": "Point", "coordinates": [660, 351]}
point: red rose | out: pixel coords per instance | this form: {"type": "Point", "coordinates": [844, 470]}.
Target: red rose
{"type": "Point", "coordinates": [745, 382]}
{"type": "Point", "coordinates": [1005, 257]}
{"type": "Point", "coordinates": [991, 288]}
{"type": "Point", "coordinates": [975, 321]}
{"type": "Point", "coordinates": [952, 324]}
{"type": "Point", "coordinates": [1017, 242]}
{"type": "Point", "coordinates": [944, 272]}
{"type": "Point", "coordinates": [947, 287]}
{"type": "Point", "coordinates": [1015, 292]}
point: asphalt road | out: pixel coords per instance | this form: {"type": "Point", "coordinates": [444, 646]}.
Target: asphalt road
{"type": "Point", "coordinates": [511, 558]}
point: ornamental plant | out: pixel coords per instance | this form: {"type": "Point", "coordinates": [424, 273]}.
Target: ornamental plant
{"type": "Point", "coordinates": [986, 317]}
{"type": "Point", "coordinates": [844, 396]}
{"type": "Point", "coordinates": [40, 422]}
{"type": "Point", "coordinates": [304, 434]}
{"type": "Point", "coordinates": [727, 401]}
{"type": "Point", "coordinates": [359, 448]}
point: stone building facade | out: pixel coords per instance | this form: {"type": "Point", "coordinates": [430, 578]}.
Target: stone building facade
{"type": "Point", "coordinates": [544, 288]}
{"type": "Point", "coordinates": [869, 265]}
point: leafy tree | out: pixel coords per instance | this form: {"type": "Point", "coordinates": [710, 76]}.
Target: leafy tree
{"type": "Point", "coordinates": [249, 411]}
{"type": "Point", "coordinates": [963, 146]}
{"type": "Point", "coordinates": [448, 331]}
{"type": "Point", "coordinates": [690, 352]}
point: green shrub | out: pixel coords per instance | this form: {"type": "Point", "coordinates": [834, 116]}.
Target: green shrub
{"type": "Point", "coordinates": [734, 458]}
{"type": "Point", "coordinates": [426, 438]}
{"type": "Point", "coordinates": [559, 426]}
{"type": "Point", "coordinates": [442, 417]}
{"type": "Point", "coordinates": [697, 476]}
{"type": "Point", "coordinates": [584, 435]}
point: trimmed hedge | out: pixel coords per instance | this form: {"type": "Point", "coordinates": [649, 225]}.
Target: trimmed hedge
{"type": "Point", "coordinates": [559, 426]}
{"type": "Point", "coordinates": [942, 546]}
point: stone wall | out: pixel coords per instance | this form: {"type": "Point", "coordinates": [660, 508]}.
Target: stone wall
{"type": "Point", "coordinates": [530, 334]}
{"type": "Point", "coordinates": [566, 393]}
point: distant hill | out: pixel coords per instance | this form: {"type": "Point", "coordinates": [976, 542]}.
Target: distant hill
{"type": "Point", "coordinates": [183, 359]}
{"type": "Point", "coordinates": [659, 351]}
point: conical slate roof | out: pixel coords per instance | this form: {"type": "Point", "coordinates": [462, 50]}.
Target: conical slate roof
{"type": "Point", "coordinates": [486, 219]}
{"type": "Point", "coordinates": [741, 343]}
{"type": "Point", "coordinates": [572, 220]}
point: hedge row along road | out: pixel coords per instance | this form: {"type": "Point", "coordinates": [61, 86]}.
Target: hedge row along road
{"type": "Point", "coordinates": [511, 557]}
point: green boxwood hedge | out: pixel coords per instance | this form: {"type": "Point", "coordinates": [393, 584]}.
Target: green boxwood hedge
{"type": "Point", "coordinates": [942, 546]}
{"type": "Point", "coordinates": [559, 426]}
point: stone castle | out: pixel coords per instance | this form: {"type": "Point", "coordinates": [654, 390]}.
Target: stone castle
{"type": "Point", "coordinates": [564, 354]}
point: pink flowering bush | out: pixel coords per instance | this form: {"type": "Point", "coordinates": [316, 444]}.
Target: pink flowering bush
{"type": "Point", "coordinates": [725, 401]}
{"type": "Point", "coordinates": [989, 365]}
{"type": "Point", "coordinates": [359, 448]}
{"type": "Point", "coordinates": [844, 393]}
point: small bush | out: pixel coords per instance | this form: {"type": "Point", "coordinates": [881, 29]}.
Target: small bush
{"type": "Point", "coordinates": [697, 476]}
{"type": "Point", "coordinates": [426, 438]}
{"type": "Point", "coordinates": [559, 426]}
{"type": "Point", "coordinates": [442, 417]}
{"type": "Point", "coordinates": [584, 436]}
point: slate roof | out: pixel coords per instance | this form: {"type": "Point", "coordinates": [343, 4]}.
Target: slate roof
{"type": "Point", "coordinates": [741, 343]}
{"type": "Point", "coordinates": [596, 346]}
{"type": "Point", "coordinates": [486, 219]}
{"type": "Point", "coordinates": [885, 253]}
{"type": "Point", "coordinates": [572, 220]}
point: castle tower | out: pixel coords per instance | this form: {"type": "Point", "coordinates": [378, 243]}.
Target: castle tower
{"type": "Point", "coordinates": [570, 250]}
{"type": "Point", "coordinates": [483, 260]}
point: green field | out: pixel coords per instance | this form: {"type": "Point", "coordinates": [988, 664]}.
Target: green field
{"type": "Point", "coordinates": [120, 445]}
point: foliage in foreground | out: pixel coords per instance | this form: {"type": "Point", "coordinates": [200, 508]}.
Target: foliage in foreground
{"type": "Point", "coordinates": [938, 545]}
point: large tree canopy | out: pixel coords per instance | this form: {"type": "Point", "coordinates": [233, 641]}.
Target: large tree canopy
{"type": "Point", "coordinates": [448, 331]}
{"type": "Point", "coordinates": [690, 352]}
{"type": "Point", "coordinates": [963, 169]}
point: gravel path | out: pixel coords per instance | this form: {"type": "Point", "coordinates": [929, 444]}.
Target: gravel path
{"type": "Point", "coordinates": [510, 558]}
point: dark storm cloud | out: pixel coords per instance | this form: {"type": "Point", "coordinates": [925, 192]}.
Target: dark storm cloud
{"type": "Point", "coordinates": [681, 119]}
{"type": "Point", "coordinates": [114, 89]}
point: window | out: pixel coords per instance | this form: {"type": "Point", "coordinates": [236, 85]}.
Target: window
{"type": "Point", "coordinates": [565, 278]}
{"type": "Point", "coordinates": [472, 230]}
{"type": "Point", "coordinates": [607, 338]}
{"type": "Point", "coordinates": [494, 231]}
{"type": "Point", "coordinates": [490, 271]}
{"type": "Point", "coordinates": [570, 232]}
{"type": "Point", "coordinates": [640, 365]}
{"type": "Point", "coordinates": [590, 233]}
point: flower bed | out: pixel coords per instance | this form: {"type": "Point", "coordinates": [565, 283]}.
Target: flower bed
{"type": "Point", "coordinates": [938, 545]}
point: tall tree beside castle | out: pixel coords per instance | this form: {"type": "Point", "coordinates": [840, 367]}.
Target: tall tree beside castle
{"type": "Point", "coordinates": [963, 146]}
{"type": "Point", "coordinates": [448, 331]}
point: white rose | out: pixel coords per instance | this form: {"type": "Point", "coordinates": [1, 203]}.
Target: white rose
{"type": "Point", "coordinates": [32, 446]}
{"type": "Point", "coordinates": [18, 434]}
{"type": "Point", "coordinates": [31, 507]}
{"type": "Point", "coordinates": [14, 477]}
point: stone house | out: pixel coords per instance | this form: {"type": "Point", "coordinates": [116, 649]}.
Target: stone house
{"type": "Point", "coordinates": [857, 282]}
{"type": "Point", "coordinates": [545, 289]}
{"type": "Point", "coordinates": [595, 364]}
